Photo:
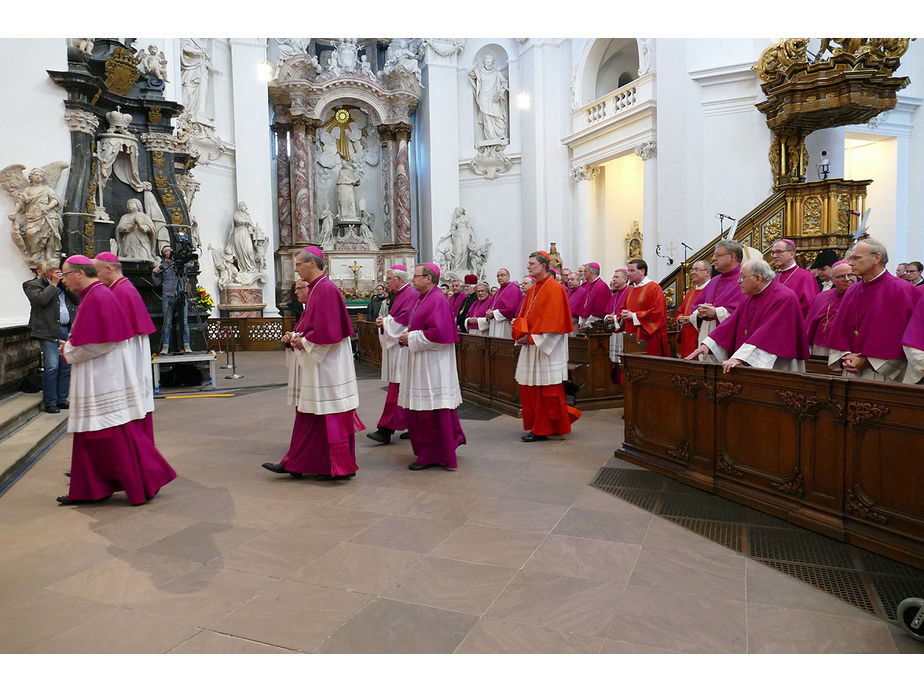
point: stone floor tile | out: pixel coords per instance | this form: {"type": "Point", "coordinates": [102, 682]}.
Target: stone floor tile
{"type": "Point", "coordinates": [406, 534]}
{"type": "Point", "coordinates": [388, 626]}
{"type": "Point", "coordinates": [489, 545]}
{"type": "Point", "coordinates": [207, 642]}
{"type": "Point", "coordinates": [626, 526]}
{"type": "Point", "coordinates": [492, 636]}
{"type": "Point", "coordinates": [202, 541]}
{"type": "Point", "coordinates": [358, 567]}
{"type": "Point", "coordinates": [673, 622]}
{"type": "Point", "coordinates": [522, 515]}
{"type": "Point", "coordinates": [591, 559]}
{"type": "Point", "coordinates": [41, 614]}
{"type": "Point", "coordinates": [452, 585]}
{"type": "Point", "coordinates": [293, 615]}
{"type": "Point", "coordinates": [690, 572]}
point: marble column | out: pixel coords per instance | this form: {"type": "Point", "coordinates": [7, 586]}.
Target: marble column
{"type": "Point", "coordinates": [402, 185]}
{"type": "Point", "coordinates": [79, 205]}
{"type": "Point", "coordinates": [300, 180]}
{"type": "Point", "coordinates": [583, 246]}
{"type": "Point", "coordinates": [387, 138]}
{"type": "Point", "coordinates": [283, 186]}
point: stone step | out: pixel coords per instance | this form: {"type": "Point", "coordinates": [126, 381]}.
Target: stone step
{"type": "Point", "coordinates": [17, 409]}
{"type": "Point", "coordinates": [28, 432]}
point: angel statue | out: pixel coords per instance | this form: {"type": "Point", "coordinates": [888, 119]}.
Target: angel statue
{"type": "Point", "coordinates": [37, 226]}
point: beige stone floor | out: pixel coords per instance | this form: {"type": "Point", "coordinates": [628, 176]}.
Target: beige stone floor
{"type": "Point", "coordinates": [513, 552]}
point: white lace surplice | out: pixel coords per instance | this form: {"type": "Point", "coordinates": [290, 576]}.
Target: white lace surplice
{"type": "Point", "coordinates": [322, 378]}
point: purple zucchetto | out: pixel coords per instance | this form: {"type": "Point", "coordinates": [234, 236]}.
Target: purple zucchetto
{"type": "Point", "coordinates": [107, 257]}
{"type": "Point", "coordinates": [79, 260]}
{"type": "Point", "coordinates": [434, 267]}
{"type": "Point", "coordinates": [401, 268]}
{"type": "Point", "coordinates": [315, 250]}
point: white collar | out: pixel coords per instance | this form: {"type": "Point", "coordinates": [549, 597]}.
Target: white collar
{"type": "Point", "coordinates": [703, 285]}
{"type": "Point", "coordinates": [788, 268]}
{"type": "Point", "coordinates": [646, 280]}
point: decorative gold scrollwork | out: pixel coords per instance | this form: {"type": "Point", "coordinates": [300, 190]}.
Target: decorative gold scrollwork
{"type": "Point", "coordinates": [858, 412]}
{"type": "Point", "coordinates": [122, 71]}
{"type": "Point", "coordinates": [154, 114]}
{"type": "Point", "coordinates": [861, 506]}
{"type": "Point", "coordinates": [176, 216]}
{"type": "Point", "coordinates": [158, 159]}
{"type": "Point", "coordinates": [168, 197]}
{"type": "Point", "coordinates": [688, 385]}
{"type": "Point", "coordinates": [802, 404]}
{"type": "Point", "coordinates": [160, 180]}
{"type": "Point", "coordinates": [793, 485]}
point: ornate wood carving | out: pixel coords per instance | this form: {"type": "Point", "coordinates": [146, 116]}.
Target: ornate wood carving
{"type": "Point", "coordinates": [858, 412]}
{"type": "Point", "coordinates": [725, 465]}
{"type": "Point", "coordinates": [635, 375]}
{"type": "Point", "coordinates": [804, 405]}
{"type": "Point", "coordinates": [688, 385]}
{"type": "Point", "coordinates": [793, 485]}
{"type": "Point", "coordinates": [837, 408]}
{"type": "Point", "coordinates": [722, 390]}
{"type": "Point", "coordinates": [682, 452]}
{"type": "Point", "coordinates": [863, 507]}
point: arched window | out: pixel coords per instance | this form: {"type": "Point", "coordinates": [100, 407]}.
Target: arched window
{"type": "Point", "coordinates": [618, 66]}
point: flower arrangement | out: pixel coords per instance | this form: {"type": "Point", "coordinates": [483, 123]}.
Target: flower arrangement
{"type": "Point", "coordinates": [203, 298]}
{"type": "Point", "coordinates": [351, 295]}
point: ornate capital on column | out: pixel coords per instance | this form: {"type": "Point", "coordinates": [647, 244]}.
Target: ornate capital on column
{"type": "Point", "coordinates": [81, 121]}
{"type": "Point", "coordinates": [647, 150]}
{"type": "Point", "coordinates": [442, 51]}
{"type": "Point", "coordinates": [581, 174]}
{"type": "Point", "coordinates": [402, 131]}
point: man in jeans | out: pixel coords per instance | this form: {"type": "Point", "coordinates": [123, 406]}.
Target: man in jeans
{"type": "Point", "coordinates": [53, 310]}
{"type": "Point", "coordinates": [165, 276]}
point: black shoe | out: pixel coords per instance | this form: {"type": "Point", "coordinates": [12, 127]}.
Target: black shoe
{"type": "Point", "coordinates": [64, 405]}
{"type": "Point", "coordinates": [64, 500]}
{"type": "Point", "coordinates": [417, 467]}
{"type": "Point", "coordinates": [382, 435]}
{"type": "Point", "coordinates": [67, 474]}
{"type": "Point", "coordinates": [531, 437]}
{"type": "Point", "coordinates": [328, 477]}
{"type": "Point", "coordinates": [51, 409]}
{"type": "Point", "coordinates": [405, 435]}
{"type": "Point", "coordinates": [296, 475]}
{"type": "Point", "coordinates": [275, 468]}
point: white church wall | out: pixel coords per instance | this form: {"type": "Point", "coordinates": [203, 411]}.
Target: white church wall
{"type": "Point", "coordinates": [623, 187]}
{"type": "Point", "coordinates": [495, 212]}
{"type": "Point", "coordinates": [875, 157]}
{"type": "Point", "coordinates": [32, 133]}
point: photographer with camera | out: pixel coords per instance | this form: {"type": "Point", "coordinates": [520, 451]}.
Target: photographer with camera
{"type": "Point", "coordinates": [171, 277]}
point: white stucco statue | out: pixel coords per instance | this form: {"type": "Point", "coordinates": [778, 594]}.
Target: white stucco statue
{"type": "Point", "coordinates": [366, 220]}
{"type": "Point", "coordinates": [241, 241]}
{"type": "Point", "coordinates": [136, 234]}
{"type": "Point", "coordinates": [326, 236]}
{"type": "Point", "coordinates": [491, 102]}
{"type": "Point", "coordinates": [401, 59]}
{"type": "Point", "coordinates": [224, 268]}
{"type": "Point", "coordinates": [153, 62]}
{"type": "Point", "coordinates": [196, 69]}
{"type": "Point", "coordinates": [347, 182]}
{"type": "Point", "coordinates": [36, 218]}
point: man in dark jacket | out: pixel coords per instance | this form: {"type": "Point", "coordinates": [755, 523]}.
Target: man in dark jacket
{"type": "Point", "coordinates": [52, 311]}
{"type": "Point", "coordinates": [173, 295]}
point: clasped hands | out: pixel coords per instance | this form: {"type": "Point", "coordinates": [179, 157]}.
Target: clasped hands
{"type": "Point", "coordinates": [854, 363]}
{"type": "Point", "coordinates": [727, 365]}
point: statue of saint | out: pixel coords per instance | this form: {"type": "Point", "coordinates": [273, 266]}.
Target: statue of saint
{"type": "Point", "coordinates": [196, 68]}
{"type": "Point", "coordinates": [491, 89]}
{"type": "Point", "coordinates": [153, 63]}
{"type": "Point", "coordinates": [136, 234]}
{"type": "Point", "coordinates": [326, 236]}
{"type": "Point", "coordinates": [241, 241]}
{"type": "Point", "coordinates": [346, 195]}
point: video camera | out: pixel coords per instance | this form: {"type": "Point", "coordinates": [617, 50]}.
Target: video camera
{"type": "Point", "coordinates": [184, 251]}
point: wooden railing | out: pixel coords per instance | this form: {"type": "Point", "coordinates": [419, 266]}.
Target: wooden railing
{"type": "Point", "coordinates": [248, 334]}
{"type": "Point", "coordinates": [823, 452]}
{"type": "Point", "coordinates": [487, 365]}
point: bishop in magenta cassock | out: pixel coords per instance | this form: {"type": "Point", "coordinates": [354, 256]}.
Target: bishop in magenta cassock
{"type": "Point", "coordinates": [394, 358]}
{"type": "Point", "coordinates": [477, 322]}
{"type": "Point", "coordinates": [800, 281]}
{"type": "Point", "coordinates": [723, 294]}
{"type": "Point", "coordinates": [866, 338]}
{"type": "Point", "coordinates": [913, 341]}
{"type": "Point", "coordinates": [109, 271]}
{"type": "Point", "coordinates": [112, 447]}
{"type": "Point", "coordinates": [542, 330]}
{"type": "Point", "coordinates": [767, 329]}
{"type": "Point", "coordinates": [322, 380]}
{"type": "Point", "coordinates": [595, 296]}
{"type": "Point", "coordinates": [430, 391]}
{"type": "Point", "coordinates": [825, 307]}
{"type": "Point", "coordinates": [505, 306]}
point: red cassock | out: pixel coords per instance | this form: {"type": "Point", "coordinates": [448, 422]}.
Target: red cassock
{"type": "Point", "coordinates": [648, 303]}
{"type": "Point", "coordinates": [689, 335]}
{"type": "Point", "coordinates": [545, 310]}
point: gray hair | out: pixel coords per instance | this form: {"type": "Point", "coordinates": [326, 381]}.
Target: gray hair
{"type": "Point", "coordinates": [733, 248]}
{"type": "Point", "coordinates": [404, 275]}
{"type": "Point", "coordinates": [88, 270]}
{"type": "Point", "coordinates": [484, 284]}
{"type": "Point", "coordinates": [759, 268]}
{"type": "Point", "coordinates": [876, 247]}
{"type": "Point", "coordinates": [305, 256]}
